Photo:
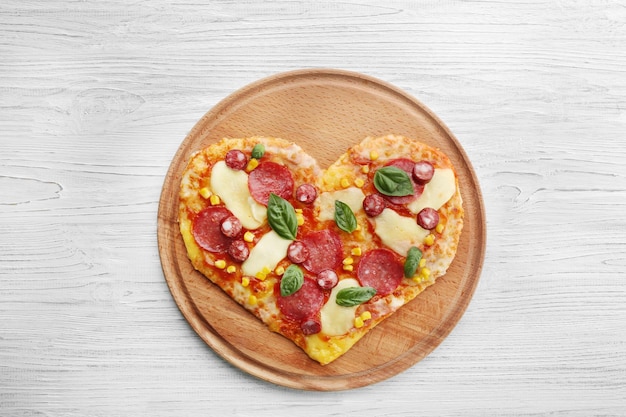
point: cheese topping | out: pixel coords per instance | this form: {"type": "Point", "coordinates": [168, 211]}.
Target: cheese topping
{"type": "Point", "coordinates": [436, 192]}
{"type": "Point", "coordinates": [397, 232]}
{"type": "Point", "coordinates": [337, 320]}
{"type": "Point", "coordinates": [268, 251]}
{"type": "Point", "coordinates": [232, 187]}
{"type": "Point", "coordinates": [352, 196]}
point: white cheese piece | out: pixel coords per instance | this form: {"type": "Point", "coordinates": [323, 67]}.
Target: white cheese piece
{"type": "Point", "coordinates": [397, 232]}
{"type": "Point", "coordinates": [352, 196]}
{"type": "Point", "coordinates": [436, 192]}
{"type": "Point", "coordinates": [268, 251]}
{"type": "Point", "coordinates": [232, 188]}
{"type": "Point", "coordinates": [337, 320]}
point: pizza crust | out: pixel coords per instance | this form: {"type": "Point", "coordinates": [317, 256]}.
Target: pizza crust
{"type": "Point", "coordinates": [353, 169]}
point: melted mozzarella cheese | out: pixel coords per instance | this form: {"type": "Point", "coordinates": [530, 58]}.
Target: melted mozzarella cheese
{"type": "Point", "coordinates": [232, 188]}
{"type": "Point", "coordinates": [268, 251]}
{"type": "Point", "coordinates": [397, 232]}
{"type": "Point", "coordinates": [436, 192]}
{"type": "Point", "coordinates": [337, 320]}
{"type": "Point", "coordinates": [352, 196]}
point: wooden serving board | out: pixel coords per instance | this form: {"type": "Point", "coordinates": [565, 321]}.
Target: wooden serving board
{"type": "Point", "coordinates": [325, 112]}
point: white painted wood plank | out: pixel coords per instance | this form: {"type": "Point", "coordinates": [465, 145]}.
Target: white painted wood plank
{"type": "Point", "coordinates": [95, 98]}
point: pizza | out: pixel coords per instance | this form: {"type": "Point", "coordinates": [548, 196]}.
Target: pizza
{"type": "Point", "coordinates": [320, 256]}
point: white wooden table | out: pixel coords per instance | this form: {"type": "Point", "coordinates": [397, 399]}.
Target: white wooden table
{"type": "Point", "coordinates": [95, 98]}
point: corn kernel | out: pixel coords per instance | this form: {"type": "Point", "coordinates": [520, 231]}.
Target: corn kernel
{"type": "Point", "coordinates": [220, 263]}
{"type": "Point", "coordinates": [205, 192]}
{"type": "Point", "coordinates": [358, 322]}
{"type": "Point", "coordinates": [373, 155]}
{"type": "Point", "coordinates": [252, 300]}
{"type": "Point", "coordinates": [365, 169]}
{"type": "Point", "coordinates": [262, 274]}
{"type": "Point", "coordinates": [366, 315]}
{"type": "Point", "coordinates": [422, 263]}
{"type": "Point", "coordinates": [348, 261]}
{"type": "Point", "coordinates": [345, 183]}
{"type": "Point", "coordinates": [214, 199]}
{"type": "Point", "coordinates": [439, 228]}
{"type": "Point", "coordinates": [356, 251]}
{"type": "Point", "coordinates": [425, 272]}
{"type": "Point", "coordinates": [300, 219]}
{"type": "Point", "coordinates": [253, 163]}
{"type": "Point", "coordinates": [348, 268]}
{"type": "Point", "coordinates": [280, 270]}
{"type": "Point", "coordinates": [245, 281]}
{"type": "Point", "coordinates": [359, 182]}
{"type": "Point", "coordinates": [429, 240]}
{"type": "Point", "coordinates": [231, 269]}
{"type": "Point", "coordinates": [299, 210]}
{"type": "Point", "coordinates": [248, 237]}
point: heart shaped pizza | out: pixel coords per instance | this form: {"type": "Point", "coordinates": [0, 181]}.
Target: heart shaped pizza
{"type": "Point", "coordinates": [321, 256]}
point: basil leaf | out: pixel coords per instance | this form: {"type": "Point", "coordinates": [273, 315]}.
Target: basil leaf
{"type": "Point", "coordinates": [353, 296]}
{"type": "Point", "coordinates": [344, 217]}
{"type": "Point", "coordinates": [282, 217]}
{"type": "Point", "coordinates": [292, 280]}
{"type": "Point", "coordinates": [393, 181]}
{"type": "Point", "coordinates": [258, 151]}
{"type": "Point", "coordinates": [413, 258]}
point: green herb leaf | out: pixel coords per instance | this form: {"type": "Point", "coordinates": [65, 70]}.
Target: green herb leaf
{"type": "Point", "coordinates": [353, 296]}
{"type": "Point", "coordinates": [393, 181]}
{"type": "Point", "coordinates": [413, 258]}
{"type": "Point", "coordinates": [282, 217]}
{"type": "Point", "coordinates": [258, 151]}
{"type": "Point", "coordinates": [344, 217]}
{"type": "Point", "coordinates": [292, 280]}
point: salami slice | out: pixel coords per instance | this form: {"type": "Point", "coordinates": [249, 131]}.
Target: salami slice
{"type": "Point", "coordinates": [423, 172]}
{"type": "Point", "coordinates": [306, 193]}
{"type": "Point", "coordinates": [235, 159]}
{"type": "Point", "coordinates": [325, 251]}
{"type": "Point", "coordinates": [207, 229]}
{"type": "Point", "coordinates": [304, 303]}
{"type": "Point", "coordinates": [270, 177]}
{"type": "Point", "coordinates": [407, 166]}
{"type": "Point", "coordinates": [428, 218]}
{"type": "Point", "coordinates": [297, 252]}
{"type": "Point", "coordinates": [373, 205]}
{"type": "Point", "coordinates": [381, 270]}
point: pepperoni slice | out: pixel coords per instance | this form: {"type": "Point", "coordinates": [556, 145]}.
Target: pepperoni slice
{"type": "Point", "coordinates": [231, 226]}
{"type": "Point", "coordinates": [381, 270]}
{"type": "Point", "coordinates": [235, 159]}
{"type": "Point", "coordinates": [407, 166]}
{"type": "Point", "coordinates": [304, 303]}
{"type": "Point", "coordinates": [428, 218]}
{"type": "Point", "coordinates": [325, 251]}
{"type": "Point", "coordinates": [327, 279]}
{"type": "Point", "coordinates": [270, 177]}
{"type": "Point", "coordinates": [297, 252]}
{"type": "Point", "coordinates": [207, 229]}
{"type": "Point", "coordinates": [423, 172]}
{"type": "Point", "coordinates": [238, 250]}
{"type": "Point", "coordinates": [306, 193]}
{"type": "Point", "coordinates": [311, 326]}
{"type": "Point", "coordinates": [373, 205]}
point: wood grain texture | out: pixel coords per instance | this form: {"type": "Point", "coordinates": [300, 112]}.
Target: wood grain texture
{"type": "Point", "coordinates": [326, 112]}
{"type": "Point", "coordinates": [96, 97]}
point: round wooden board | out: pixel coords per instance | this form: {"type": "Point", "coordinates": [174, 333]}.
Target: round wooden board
{"type": "Point", "coordinates": [325, 112]}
